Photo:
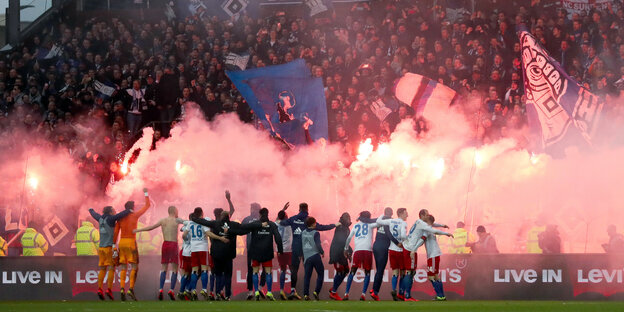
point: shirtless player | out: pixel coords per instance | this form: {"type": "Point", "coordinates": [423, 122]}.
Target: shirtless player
{"type": "Point", "coordinates": [169, 226]}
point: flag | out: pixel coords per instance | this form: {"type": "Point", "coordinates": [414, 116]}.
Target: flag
{"type": "Point", "coordinates": [296, 68]}
{"type": "Point", "coordinates": [423, 94]}
{"type": "Point", "coordinates": [103, 88]}
{"type": "Point", "coordinates": [239, 61]}
{"type": "Point", "coordinates": [234, 7]}
{"type": "Point", "coordinates": [380, 109]}
{"type": "Point", "coordinates": [558, 108]}
{"type": "Point", "coordinates": [289, 103]}
{"type": "Point", "coordinates": [317, 6]}
{"type": "Point", "coordinates": [54, 52]}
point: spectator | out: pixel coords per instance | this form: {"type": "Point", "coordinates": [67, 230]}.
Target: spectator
{"type": "Point", "coordinates": [486, 243]}
{"type": "Point", "coordinates": [616, 241]}
{"type": "Point", "coordinates": [549, 240]}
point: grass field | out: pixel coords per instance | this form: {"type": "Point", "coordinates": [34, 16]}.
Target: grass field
{"type": "Point", "coordinates": [320, 306]}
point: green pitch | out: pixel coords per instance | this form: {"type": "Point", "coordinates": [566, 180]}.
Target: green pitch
{"type": "Point", "coordinates": [321, 306]}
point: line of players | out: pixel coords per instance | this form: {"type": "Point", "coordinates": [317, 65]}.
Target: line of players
{"type": "Point", "coordinates": [297, 238]}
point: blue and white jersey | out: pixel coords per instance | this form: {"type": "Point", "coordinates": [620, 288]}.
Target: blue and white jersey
{"type": "Point", "coordinates": [198, 238]}
{"type": "Point", "coordinates": [363, 234]}
{"type": "Point", "coordinates": [398, 229]}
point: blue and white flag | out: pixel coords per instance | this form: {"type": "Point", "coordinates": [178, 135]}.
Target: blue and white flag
{"type": "Point", "coordinates": [295, 69]}
{"type": "Point", "coordinates": [103, 88]}
{"type": "Point", "coordinates": [291, 106]}
{"type": "Point", "coordinates": [558, 108]}
{"type": "Point", "coordinates": [424, 94]}
{"type": "Point", "coordinates": [235, 60]}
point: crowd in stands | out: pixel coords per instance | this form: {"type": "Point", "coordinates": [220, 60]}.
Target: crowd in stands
{"type": "Point", "coordinates": [155, 68]}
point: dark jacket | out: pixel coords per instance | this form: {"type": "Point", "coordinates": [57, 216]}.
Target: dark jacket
{"type": "Point", "coordinates": [336, 249]}
{"type": "Point", "coordinates": [261, 246]}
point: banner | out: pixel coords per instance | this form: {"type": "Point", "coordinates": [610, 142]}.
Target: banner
{"type": "Point", "coordinates": [469, 277]}
{"type": "Point", "coordinates": [558, 108]}
{"type": "Point", "coordinates": [423, 94]}
{"type": "Point", "coordinates": [578, 6]}
{"type": "Point", "coordinates": [291, 105]}
{"type": "Point", "coordinates": [224, 9]}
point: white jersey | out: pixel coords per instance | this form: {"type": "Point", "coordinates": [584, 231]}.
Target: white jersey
{"type": "Point", "coordinates": [363, 233]}
{"type": "Point", "coordinates": [416, 232]}
{"type": "Point", "coordinates": [197, 233]}
{"type": "Point", "coordinates": [398, 229]}
{"type": "Point", "coordinates": [287, 236]}
{"type": "Point", "coordinates": [186, 241]}
{"type": "Point", "coordinates": [433, 249]}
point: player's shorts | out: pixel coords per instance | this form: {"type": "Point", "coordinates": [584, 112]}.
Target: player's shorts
{"type": "Point", "coordinates": [128, 252]}
{"type": "Point", "coordinates": [341, 267]}
{"type": "Point", "coordinates": [106, 256]}
{"type": "Point", "coordinates": [396, 259]}
{"type": "Point", "coordinates": [185, 263]}
{"type": "Point", "coordinates": [265, 264]}
{"type": "Point", "coordinates": [169, 252]}
{"type": "Point", "coordinates": [408, 263]}
{"type": "Point", "coordinates": [363, 259]}
{"type": "Point", "coordinates": [433, 266]}
{"type": "Point", "coordinates": [198, 258]}
{"type": "Point", "coordinates": [284, 260]}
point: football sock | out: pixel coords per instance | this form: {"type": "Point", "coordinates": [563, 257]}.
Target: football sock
{"type": "Point", "coordinates": [394, 282]}
{"type": "Point", "coordinates": [282, 279]}
{"type": "Point", "coordinates": [410, 282]}
{"type": "Point", "coordinates": [440, 288]}
{"type": "Point", "coordinates": [101, 275]}
{"type": "Point", "coordinates": [212, 282]}
{"type": "Point", "coordinates": [204, 279]}
{"type": "Point", "coordinates": [255, 278]}
{"type": "Point", "coordinates": [122, 278]}
{"type": "Point", "coordinates": [110, 278]}
{"type": "Point", "coordinates": [435, 287]}
{"type": "Point", "coordinates": [174, 279]}
{"type": "Point", "coordinates": [183, 282]}
{"type": "Point", "coordinates": [133, 276]}
{"type": "Point", "coordinates": [337, 281]}
{"type": "Point", "coordinates": [366, 282]}
{"type": "Point", "coordinates": [269, 281]}
{"type": "Point", "coordinates": [194, 279]}
{"type": "Point", "coordinates": [349, 281]}
{"type": "Point", "coordinates": [163, 277]}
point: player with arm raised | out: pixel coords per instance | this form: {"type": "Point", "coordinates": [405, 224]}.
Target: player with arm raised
{"type": "Point", "coordinates": [169, 250]}
{"type": "Point", "coordinates": [398, 229]}
{"type": "Point", "coordinates": [297, 223]}
{"type": "Point", "coordinates": [128, 252]}
{"type": "Point", "coordinates": [285, 258]}
{"type": "Point", "coordinates": [107, 221]}
{"type": "Point", "coordinates": [363, 252]}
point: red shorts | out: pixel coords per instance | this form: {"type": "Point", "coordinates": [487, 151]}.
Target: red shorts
{"type": "Point", "coordinates": [265, 264]}
{"type": "Point", "coordinates": [169, 252]}
{"type": "Point", "coordinates": [198, 258]}
{"type": "Point", "coordinates": [363, 259]}
{"type": "Point", "coordinates": [408, 264]}
{"type": "Point", "coordinates": [396, 259]}
{"type": "Point", "coordinates": [284, 260]}
{"type": "Point", "coordinates": [186, 263]}
{"type": "Point", "coordinates": [433, 266]}
{"type": "Point", "coordinates": [341, 268]}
